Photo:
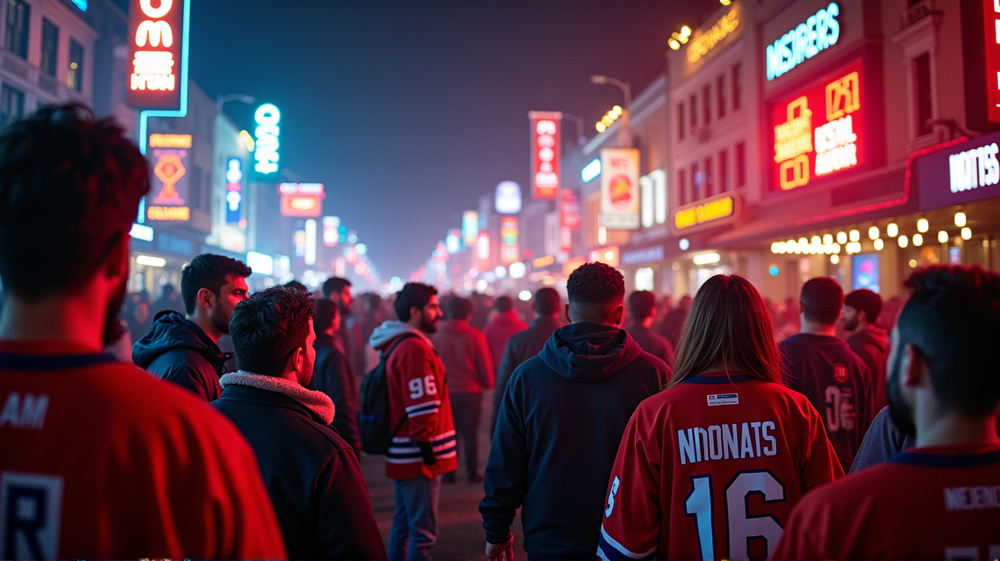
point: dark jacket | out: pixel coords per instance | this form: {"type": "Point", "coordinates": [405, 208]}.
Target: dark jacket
{"type": "Point", "coordinates": [520, 347]}
{"type": "Point", "coordinates": [333, 376]}
{"type": "Point", "coordinates": [312, 475]}
{"type": "Point", "coordinates": [177, 350]}
{"type": "Point", "coordinates": [653, 343]}
{"type": "Point", "coordinates": [872, 345]}
{"type": "Point", "coordinates": [560, 423]}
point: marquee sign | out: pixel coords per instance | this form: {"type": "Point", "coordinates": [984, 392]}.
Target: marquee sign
{"type": "Point", "coordinates": [544, 153]}
{"type": "Point", "coordinates": [158, 41]}
{"type": "Point", "coordinates": [957, 172]}
{"type": "Point", "coordinates": [818, 33]}
{"type": "Point", "coordinates": [707, 213]}
{"type": "Point", "coordinates": [819, 131]}
{"type": "Point", "coordinates": [171, 157]}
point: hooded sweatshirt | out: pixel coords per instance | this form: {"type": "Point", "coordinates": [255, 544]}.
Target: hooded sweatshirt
{"type": "Point", "coordinates": [417, 394]}
{"type": "Point", "coordinates": [564, 412]}
{"type": "Point", "coordinates": [872, 345]}
{"type": "Point", "coordinates": [177, 350]}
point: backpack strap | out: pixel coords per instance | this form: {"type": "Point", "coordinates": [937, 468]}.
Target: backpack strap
{"type": "Point", "coordinates": [385, 358]}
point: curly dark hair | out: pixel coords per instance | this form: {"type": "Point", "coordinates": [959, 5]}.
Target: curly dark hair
{"type": "Point", "coordinates": [595, 283]}
{"type": "Point", "coordinates": [951, 319]}
{"type": "Point", "coordinates": [70, 187]}
{"type": "Point", "coordinates": [413, 294]}
{"type": "Point", "coordinates": [208, 271]}
{"type": "Point", "coordinates": [267, 327]}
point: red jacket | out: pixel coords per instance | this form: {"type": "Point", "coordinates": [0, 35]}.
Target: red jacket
{"type": "Point", "coordinates": [419, 394]}
{"type": "Point", "coordinates": [499, 330]}
{"type": "Point", "coordinates": [466, 358]}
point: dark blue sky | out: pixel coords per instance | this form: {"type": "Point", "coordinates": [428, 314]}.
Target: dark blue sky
{"type": "Point", "coordinates": [409, 111]}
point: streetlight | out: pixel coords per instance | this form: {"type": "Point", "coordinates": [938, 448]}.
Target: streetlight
{"type": "Point", "coordinates": [624, 137]}
{"type": "Point", "coordinates": [222, 99]}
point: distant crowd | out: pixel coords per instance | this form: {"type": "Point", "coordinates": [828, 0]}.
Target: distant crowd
{"type": "Point", "coordinates": [216, 423]}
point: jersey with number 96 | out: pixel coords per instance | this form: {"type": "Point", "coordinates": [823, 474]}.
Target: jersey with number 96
{"type": "Point", "coordinates": [711, 468]}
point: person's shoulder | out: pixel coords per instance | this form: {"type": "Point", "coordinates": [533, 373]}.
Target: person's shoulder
{"type": "Point", "coordinates": [646, 362]}
{"type": "Point", "coordinates": [324, 440]}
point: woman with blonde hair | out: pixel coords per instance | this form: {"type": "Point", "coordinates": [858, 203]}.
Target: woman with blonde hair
{"type": "Point", "coordinates": [710, 467]}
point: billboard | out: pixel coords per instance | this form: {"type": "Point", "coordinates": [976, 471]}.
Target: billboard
{"type": "Point", "coordinates": [301, 199]}
{"type": "Point", "coordinates": [620, 188]}
{"type": "Point", "coordinates": [167, 199]}
{"type": "Point", "coordinates": [267, 119]}
{"type": "Point", "coordinates": [158, 41]}
{"type": "Point", "coordinates": [819, 130]}
{"type": "Point", "coordinates": [508, 198]}
{"type": "Point", "coordinates": [510, 250]}
{"type": "Point", "coordinates": [331, 232]}
{"type": "Point", "coordinates": [544, 153]}
{"type": "Point", "coordinates": [470, 227]}
{"type": "Point", "coordinates": [234, 189]}
{"type": "Point", "coordinates": [483, 251]}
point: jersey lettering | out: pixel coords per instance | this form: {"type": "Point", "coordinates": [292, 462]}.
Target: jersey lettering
{"type": "Point", "coordinates": [30, 513]}
{"type": "Point", "coordinates": [971, 498]}
{"type": "Point", "coordinates": [726, 442]}
{"type": "Point", "coordinates": [840, 412]}
{"type": "Point", "coordinates": [26, 413]}
{"type": "Point", "coordinates": [422, 386]}
{"type": "Point", "coordinates": [611, 496]}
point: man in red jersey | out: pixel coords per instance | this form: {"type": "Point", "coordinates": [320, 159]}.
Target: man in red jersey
{"type": "Point", "coordinates": [99, 459]}
{"type": "Point", "coordinates": [940, 499]}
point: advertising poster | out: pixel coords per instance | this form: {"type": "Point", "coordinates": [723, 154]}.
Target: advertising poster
{"type": "Point", "coordinates": [157, 35]}
{"type": "Point", "coordinates": [620, 188]}
{"type": "Point", "coordinates": [170, 156]}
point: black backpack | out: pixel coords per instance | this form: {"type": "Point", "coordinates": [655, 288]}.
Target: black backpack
{"type": "Point", "coordinates": [373, 420]}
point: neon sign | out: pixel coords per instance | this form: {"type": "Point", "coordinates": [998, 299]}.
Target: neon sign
{"type": "Point", "coordinates": [234, 190]}
{"type": "Point", "coordinates": [818, 33]}
{"type": "Point", "coordinates": [509, 248]}
{"type": "Point", "coordinates": [157, 34]}
{"type": "Point", "coordinates": [470, 227]}
{"type": "Point", "coordinates": [265, 155]}
{"type": "Point", "coordinates": [974, 168]}
{"type": "Point", "coordinates": [301, 199]}
{"type": "Point", "coordinates": [170, 177]}
{"type": "Point", "coordinates": [545, 153]}
{"type": "Point", "coordinates": [708, 40]}
{"type": "Point", "coordinates": [717, 210]}
{"type": "Point", "coordinates": [819, 131]}
{"type": "Point", "coordinates": [991, 21]}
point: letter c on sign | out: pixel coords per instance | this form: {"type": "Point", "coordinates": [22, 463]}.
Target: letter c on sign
{"type": "Point", "coordinates": [147, 8]}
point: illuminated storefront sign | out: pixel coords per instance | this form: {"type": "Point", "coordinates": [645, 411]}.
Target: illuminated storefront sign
{"type": "Point", "coordinates": [957, 173]}
{"type": "Point", "coordinates": [508, 198]}
{"type": "Point", "coordinates": [331, 234]}
{"type": "Point", "coordinates": [234, 190]}
{"type": "Point", "coordinates": [818, 33]}
{"type": "Point", "coordinates": [171, 158]}
{"type": "Point", "coordinates": [510, 251]}
{"type": "Point", "coordinates": [470, 227]}
{"type": "Point", "coordinates": [701, 45]}
{"type": "Point", "coordinates": [453, 242]}
{"type": "Point", "coordinates": [483, 251]}
{"type": "Point", "coordinates": [974, 168]}
{"type": "Point", "coordinates": [591, 170]}
{"type": "Point", "coordinates": [544, 154]}
{"type": "Point", "coordinates": [265, 155]}
{"type": "Point", "coordinates": [991, 24]}
{"type": "Point", "coordinates": [569, 217]}
{"type": "Point", "coordinates": [301, 199]}
{"type": "Point", "coordinates": [620, 188]}
{"type": "Point", "coordinates": [707, 213]}
{"type": "Point", "coordinates": [607, 255]}
{"type": "Point", "coordinates": [820, 130]}
{"type": "Point", "coordinates": [158, 38]}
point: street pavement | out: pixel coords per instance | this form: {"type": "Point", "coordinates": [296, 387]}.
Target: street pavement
{"type": "Point", "coordinates": [460, 527]}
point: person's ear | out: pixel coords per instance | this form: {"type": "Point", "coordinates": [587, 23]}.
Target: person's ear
{"type": "Point", "coordinates": [116, 263]}
{"type": "Point", "coordinates": [619, 315]}
{"type": "Point", "coordinates": [205, 298]}
{"type": "Point", "coordinates": [566, 313]}
{"type": "Point", "coordinates": [801, 307]}
{"type": "Point", "coordinates": [914, 368]}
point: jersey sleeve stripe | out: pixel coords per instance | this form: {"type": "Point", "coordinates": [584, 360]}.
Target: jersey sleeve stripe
{"type": "Point", "coordinates": [411, 408]}
{"type": "Point", "coordinates": [609, 549]}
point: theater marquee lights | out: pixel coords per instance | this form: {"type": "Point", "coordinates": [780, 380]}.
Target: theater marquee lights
{"type": "Point", "coordinates": [819, 131]}
{"type": "Point", "coordinates": [818, 33]}
{"type": "Point", "coordinates": [158, 37]}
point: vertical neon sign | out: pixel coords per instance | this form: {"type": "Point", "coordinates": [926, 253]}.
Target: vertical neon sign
{"type": "Point", "coordinates": [991, 24]}
{"type": "Point", "coordinates": [544, 154]}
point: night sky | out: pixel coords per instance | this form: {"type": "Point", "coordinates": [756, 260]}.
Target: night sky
{"type": "Point", "coordinates": [409, 111]}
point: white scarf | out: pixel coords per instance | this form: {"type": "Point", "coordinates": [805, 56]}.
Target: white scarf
{"type": "Point", "coordinates": [317, 402]}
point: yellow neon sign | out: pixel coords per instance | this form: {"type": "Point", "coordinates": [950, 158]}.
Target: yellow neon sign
{"type": "Point", "coordinates": [708, 40]}
{"type": "Point", "coordinates": [708, 211]}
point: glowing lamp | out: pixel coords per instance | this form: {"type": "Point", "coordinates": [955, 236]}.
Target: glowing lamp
{"type": "Point", "coordinates": [841, 237]}
{"type": "Point", "coordinates": [834, 259]}
{"type": "Point", "coordinates": [918, 240]}
{"type": "Point", "coordinates": [960, 219]}
{"type": "Point", "coordinates": [903, 241]}
{"type": "Point", "coordinates": [923, 225]}
{"type": "Point", "coordinates": [942, 237]}
{"type": "Point", "coordinates": [827, 239]}
{"type": "Point", "coordinates": [879, 244]}
{"type": "Point", "coordinates": [855, 236]}
{"type": "Point", "coordinates": [873, 233]}
{"type": "Point", "coordinates": [892, 230]}
{"type": "Point", "coordinates": [966, 233]}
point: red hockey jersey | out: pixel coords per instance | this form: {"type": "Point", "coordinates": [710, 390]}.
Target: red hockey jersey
{"type": "Point", "coordinates": [926, 503]}
{"type": "Point", "coordinates": [711, 468]}
{"type": "Point", "coordinates": [98, 459]}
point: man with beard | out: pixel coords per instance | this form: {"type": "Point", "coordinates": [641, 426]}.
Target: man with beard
{"type": "Point", "coordinates": [184, 349]}
{"type": "Point", "coordinates": [940, 499]}
{"type": "Point", "coordinates": [424, 445]}
{"type": "Point", "coordinates": [862, 308]}
{"type": "Point", "coordinates": [97, 459]}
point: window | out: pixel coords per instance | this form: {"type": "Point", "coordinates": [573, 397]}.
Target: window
{"type": "Point", "coordinates": [16, 34]}
{"type": "Point", "coordinates": [720, 90]}
{"type": "Point", "coordinates": [50, 47]}
{"type": "Point", "coordinates": [922, 92]}
{"type": "Point", "coordinates": [723, 171]}
{"type": "Point", "coordinates": [741, 170]}
{"type": "Point", "coordinates": [74, 79]}
{"type": "Point", "coordinates": [11, 105]}
{"type": "Point", "coordinates": [697, 184]}
{"type": "Point", "coordinates": [693, 103]}
{"type": "Point", "coordinates": [737, 92]}
{"type": "Point", "coordinates": [682, 186]}
{"type": "Point", "coordinates": [708, 177]}
{"type": "Point", "coordinates": [680, 121]}
{"type": "Point", "coordinates": [706, 103]}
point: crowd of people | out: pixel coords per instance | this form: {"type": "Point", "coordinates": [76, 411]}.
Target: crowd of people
{"type": "Point", "coordinates": [722, 427]}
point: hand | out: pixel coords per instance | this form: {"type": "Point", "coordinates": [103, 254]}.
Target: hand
{"type": "Point", "coordinates": [427, 453]}
{"type": "Point", "coordinates": [501, 551]}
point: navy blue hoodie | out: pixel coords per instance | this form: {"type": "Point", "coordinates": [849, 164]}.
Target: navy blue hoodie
{"type": "Point", "coordinates": [176, 349]}
{"type": "Point", "coordinates": [560, 422]}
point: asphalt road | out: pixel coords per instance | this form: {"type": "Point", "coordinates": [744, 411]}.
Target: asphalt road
{"type": "Point", "coordinates": [460, 527]}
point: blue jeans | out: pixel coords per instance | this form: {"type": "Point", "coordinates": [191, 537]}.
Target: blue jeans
{"type": "Point", "coordinates": [415, 519]}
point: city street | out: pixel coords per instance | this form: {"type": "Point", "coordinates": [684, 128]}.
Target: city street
{"type": "Point", "coordinates": [460, 528]}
